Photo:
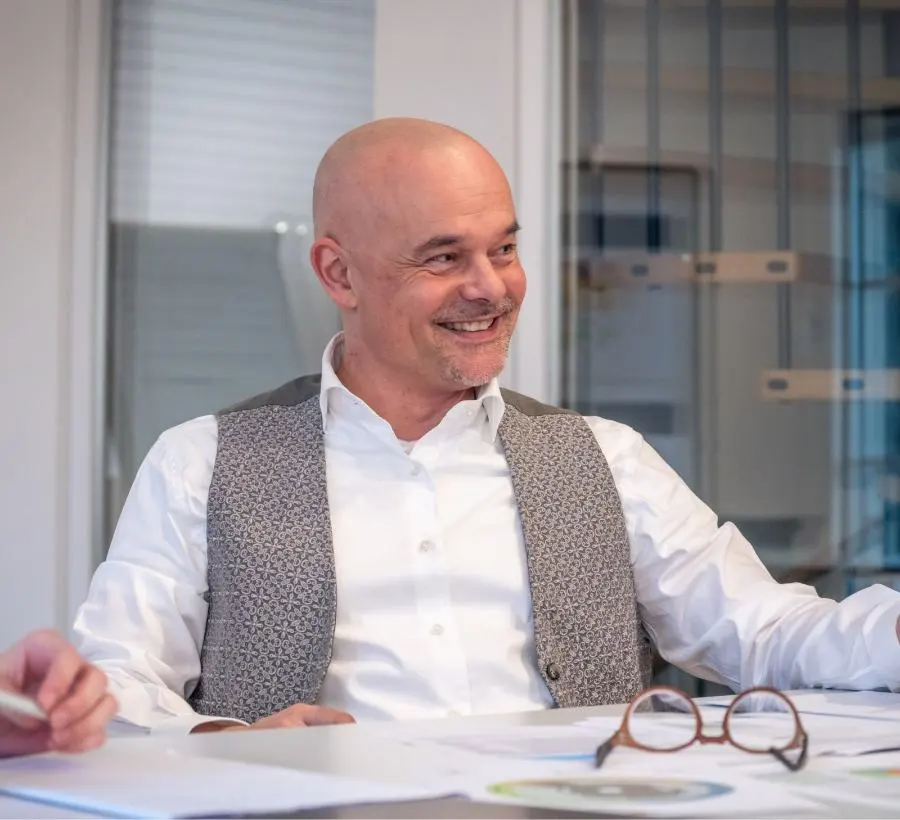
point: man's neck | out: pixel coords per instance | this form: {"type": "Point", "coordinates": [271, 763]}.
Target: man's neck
{"type": "Point", "coordinates": [411, 412]}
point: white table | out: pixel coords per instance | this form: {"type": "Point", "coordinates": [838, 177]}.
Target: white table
{"type": "Point", "coordinates": [363, 750]}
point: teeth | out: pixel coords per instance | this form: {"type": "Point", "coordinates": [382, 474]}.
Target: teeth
{"type": "Point", "coordinates": [470, 327]}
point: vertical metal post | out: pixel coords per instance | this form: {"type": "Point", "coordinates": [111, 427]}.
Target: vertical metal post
{"type": "Point", "coordinates": [783, 171]}
{"type": "Point", "coordinates": [570, 203]}
{"type": "Point", "coordinates": [850, 294]}
{"type": "Point", "coordinates": [856, 201]}
{"type": "Point", "coordinates": [599, 52]}
{"type": "Point", "coordinates": [708, 296]}
{"type": "Point", "coordinates": [716, 22]}
{"type": "Point", "coordinates": [596, 180]}
{"type": "Point", "coordinates": [654, 205]}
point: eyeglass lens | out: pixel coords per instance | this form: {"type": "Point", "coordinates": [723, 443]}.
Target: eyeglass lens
{"type": "Point", "coordinates": [760, 721]}
{"type": "Point", "coordinates": [649, 730]}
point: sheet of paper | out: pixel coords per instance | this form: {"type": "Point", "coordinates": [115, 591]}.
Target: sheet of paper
{"type": "Point", "coordinates": [862, 784]}
{"type": "Point", "coordinates": [828, 734]}
{"type": "Point", "coordinates": [879, 705]}
{"type": "Point", "coordinates": [548, 744]}
{"type": "Point", "coordinates": [139, 784]}
{"type": "Point", "coordinates": [633, 787]}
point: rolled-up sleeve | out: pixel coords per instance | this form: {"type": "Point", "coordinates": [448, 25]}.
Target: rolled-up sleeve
{"type": "Point", "coordinates": [713, 609]}
{"type": "Point", "coordinates": [145, 615]}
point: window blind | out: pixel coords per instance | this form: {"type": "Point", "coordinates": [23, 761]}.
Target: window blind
{"type": "Point", "coordinates": [223, 108]}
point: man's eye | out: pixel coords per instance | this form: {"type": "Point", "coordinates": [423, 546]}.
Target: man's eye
{"type": "Point", "coordinates": [442, 259]}
{"type": "Point", "coordinates": [507, 249]}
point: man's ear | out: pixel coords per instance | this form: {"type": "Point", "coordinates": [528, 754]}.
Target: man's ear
{"type": "Point", "coordinates": [329, 261]}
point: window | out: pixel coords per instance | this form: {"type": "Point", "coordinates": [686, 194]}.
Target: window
{"type": "Point", "coordinates": [221, 110]}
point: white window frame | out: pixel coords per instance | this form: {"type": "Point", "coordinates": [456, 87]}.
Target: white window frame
{"type": "Point", "coordinates": [85, 476]}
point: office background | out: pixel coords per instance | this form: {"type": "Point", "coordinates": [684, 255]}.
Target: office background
{"type": "Point", "coordinates": [708, 192]}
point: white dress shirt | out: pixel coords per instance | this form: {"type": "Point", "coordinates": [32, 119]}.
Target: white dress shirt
{"type": "Point", "coordinates": [433, 603]}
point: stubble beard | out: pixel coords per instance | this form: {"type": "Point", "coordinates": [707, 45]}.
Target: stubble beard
{"type": "Point", "coordinates": [457, 373]}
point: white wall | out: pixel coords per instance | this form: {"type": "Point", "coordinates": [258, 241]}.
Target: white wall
{"type": "Point", "coordinates": [47, 315]}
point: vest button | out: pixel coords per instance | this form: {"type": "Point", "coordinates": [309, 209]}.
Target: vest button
{"type": "Point", "coordinates": [552, 671]}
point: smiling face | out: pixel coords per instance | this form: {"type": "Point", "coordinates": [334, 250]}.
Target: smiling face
{"type": "Point", "coordinates": [433, 282]}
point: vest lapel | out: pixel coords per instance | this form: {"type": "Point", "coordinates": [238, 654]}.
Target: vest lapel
{"type": "Point", "coordinates": [271, 570]}
{"type": "Point", "coordinates": [586, 628]}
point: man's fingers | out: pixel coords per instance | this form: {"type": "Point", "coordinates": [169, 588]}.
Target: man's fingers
{"type": "Point", "coordinates": [303, 714]}
{"type": "Point", "coordinates": [80, 735]}
{"type": "Point", "coordinates": [325, 716]}
{"type": "Point", "coordinates": [58, 678]}
{"type": "Point", "coordinates": [88, 689]}
{"type": "Point", "coordinates": [26, 663]}
{"type": "Point", "coordinates": [79, 744]}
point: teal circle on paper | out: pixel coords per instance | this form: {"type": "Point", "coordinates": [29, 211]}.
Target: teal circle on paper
{"type": "Point", "coordinates": [585, 793]}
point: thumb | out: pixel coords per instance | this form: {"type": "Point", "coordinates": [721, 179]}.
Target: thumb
{"type": "Point", "coordinates": [325, 716]}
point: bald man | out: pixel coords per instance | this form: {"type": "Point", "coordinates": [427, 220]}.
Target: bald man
{"type": "Point", "coordinates": [398, 537]}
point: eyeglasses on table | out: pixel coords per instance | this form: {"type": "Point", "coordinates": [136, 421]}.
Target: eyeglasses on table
{"type": "Point", "coordinates": [638, 731]}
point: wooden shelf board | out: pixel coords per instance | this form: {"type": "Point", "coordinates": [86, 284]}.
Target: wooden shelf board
{"type": "Point", "coordinates": [796, 5]}
{"type": "Point", "coordinates": [738, 267]}
{"type": "Point", "coordinates": [764, 267]}
{"type": "Point", "coordinates": [623, 76]}
{"type": "Point", "coordinates": [746, 172]}
{"type": "Point", "coordinates": [830, 385]}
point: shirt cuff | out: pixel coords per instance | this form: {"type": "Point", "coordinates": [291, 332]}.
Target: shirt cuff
{"type": "Point", "coordinates": [883, 643]}
{"type": "Point", "coordinates": [185, 724]}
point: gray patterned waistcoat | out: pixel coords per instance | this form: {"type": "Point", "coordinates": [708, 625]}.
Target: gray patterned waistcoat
{"type": "Point", "coordinates": [272, 586]}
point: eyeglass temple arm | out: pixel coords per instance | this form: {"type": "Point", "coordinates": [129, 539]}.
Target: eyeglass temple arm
{"type": "Point", "coordinates": [792, 765]}
{"type": "Point", "coordinates": [603, 752]}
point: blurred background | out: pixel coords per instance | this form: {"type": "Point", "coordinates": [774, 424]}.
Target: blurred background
{"type": "Point", "coordinates": [710, 195]}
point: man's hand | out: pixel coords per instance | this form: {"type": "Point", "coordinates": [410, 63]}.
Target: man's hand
{"type": "Point", "coordinates": [72, 693]}
{"type": "Point", "coordinates": [300, 714]}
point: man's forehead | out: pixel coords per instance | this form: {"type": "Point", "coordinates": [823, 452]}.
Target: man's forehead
{"type": "Point", "coordinates": [482, 232]}
{"type": "Point", "coordinates": [476, 232]}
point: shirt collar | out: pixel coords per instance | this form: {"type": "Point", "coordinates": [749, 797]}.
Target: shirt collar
{"type": "Point", "coordinates": [488, 395]}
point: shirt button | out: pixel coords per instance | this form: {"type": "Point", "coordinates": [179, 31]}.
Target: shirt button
{"type": "Point", "coordinates": [552, 671]}
{"type": "Point", "coordinates": [426, 546]}
{"type": "Point", "coordinates": [437, 630]}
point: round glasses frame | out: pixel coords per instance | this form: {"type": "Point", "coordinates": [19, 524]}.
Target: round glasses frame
{"type": "Point", "coordinates": [624, 737]}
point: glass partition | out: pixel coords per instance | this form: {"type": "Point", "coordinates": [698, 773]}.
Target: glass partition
{"type": "Point", "coordinates": [730, 268]}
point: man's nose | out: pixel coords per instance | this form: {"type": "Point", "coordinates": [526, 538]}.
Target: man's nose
{"type": "Point", "coordinates": [483, 281]}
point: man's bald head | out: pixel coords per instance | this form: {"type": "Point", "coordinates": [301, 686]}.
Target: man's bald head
{"type": "Point", "coordinates": [371, 165]}
{"type": "Point", "coordinates": [416, 244]}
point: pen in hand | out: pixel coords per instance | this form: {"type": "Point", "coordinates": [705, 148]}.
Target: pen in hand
{"type": "Point", "coordinates": [14, 705]}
